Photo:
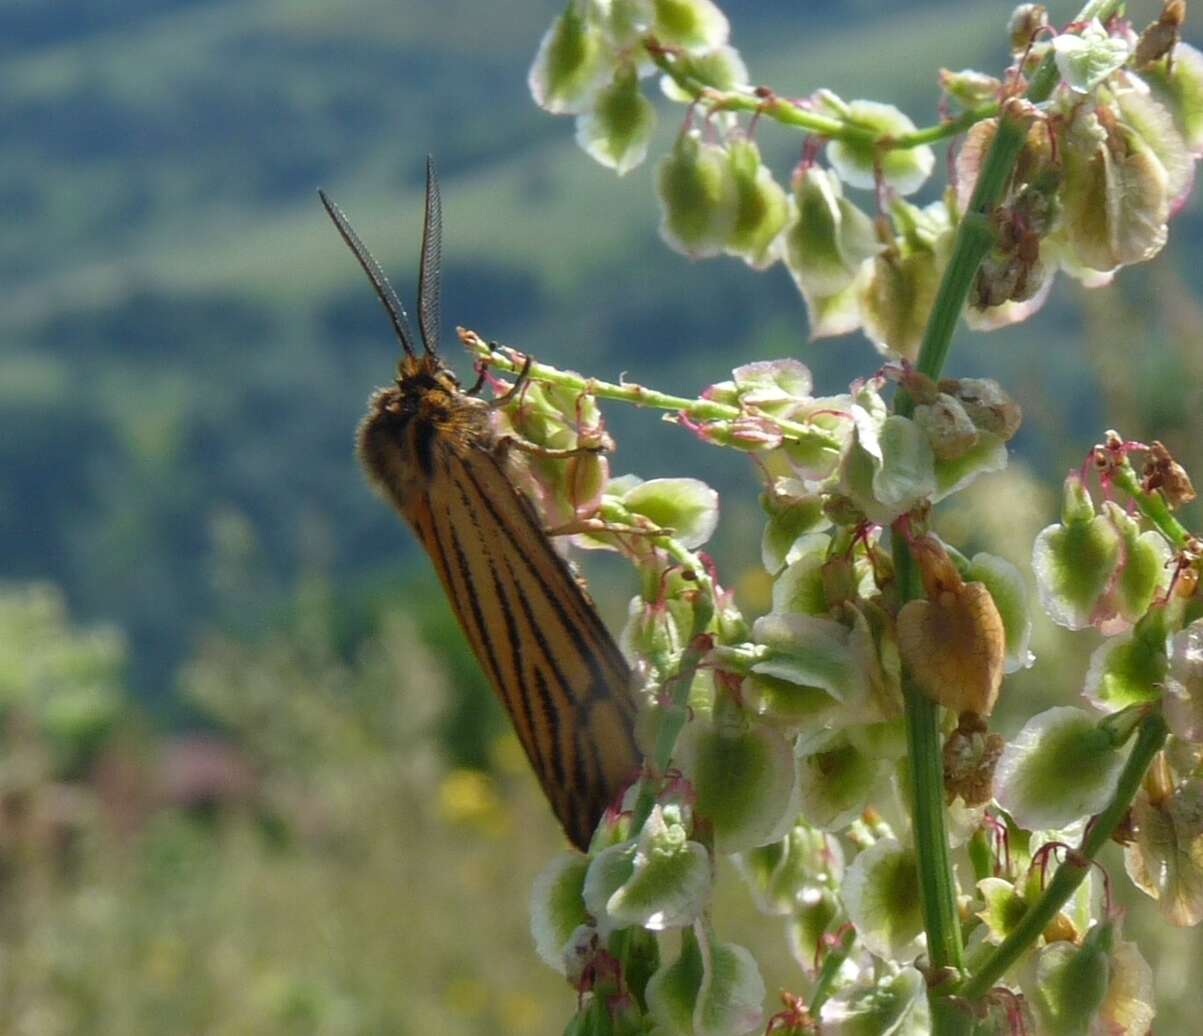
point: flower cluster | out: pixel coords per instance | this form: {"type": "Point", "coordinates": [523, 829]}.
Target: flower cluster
{"type": "Point", "coordinates": [802, 743]}
{"type": "Point", "coordinates": [1108, 158]}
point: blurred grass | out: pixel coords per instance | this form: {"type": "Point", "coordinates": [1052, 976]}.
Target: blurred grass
{"type": "Point", "coordinates": [315, 864]}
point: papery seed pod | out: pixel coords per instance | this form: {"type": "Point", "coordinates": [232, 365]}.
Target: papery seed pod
{"type": "Point", "coordinates": [970, 88]}
{"type": "Point", "coordinates": [947, 426]}
{"type": "Point", "coordinates": [1160, 37]}
{"type": "Point", "coordinates": [571, 63]}
{"type": "Point", "coordinates": [762, 207]}
{"type": "Point", "coordinates": [970, 755]}
{"type": "Point", "coordinates": [987, 404]}
{"type": "Point", "coordinates": [697, 197]}
{"type": "Point", "coordinates": [860, 163]}
{"type": "Point", "coordinates": [616, 128]}
{"type": "Point", "coordinates": [954, 642]}
{"type": "Point", "coordinates": [1166, 474]}
{"type": "Point", "coordinates": [1027, 22]}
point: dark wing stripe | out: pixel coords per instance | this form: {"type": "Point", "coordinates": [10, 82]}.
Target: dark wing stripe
{"type": "Point", "coordinates": [528, 733]}
{"type": "Point", "coordinates": [602, 644]}
{"type": "Point", "coordinates": [552, 710]}
{"type": "Point", "coordinates": [467, 610]}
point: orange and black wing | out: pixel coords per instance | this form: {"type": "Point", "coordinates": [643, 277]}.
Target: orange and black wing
{"type": "Point", "coordinates": [538, 638]}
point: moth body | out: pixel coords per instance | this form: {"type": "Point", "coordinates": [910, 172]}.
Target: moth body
{"type": "Point", "coordinates": [429, 447]}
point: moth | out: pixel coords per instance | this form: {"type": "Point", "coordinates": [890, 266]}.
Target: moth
{"type": "Point", "coordinates": [429, 447]}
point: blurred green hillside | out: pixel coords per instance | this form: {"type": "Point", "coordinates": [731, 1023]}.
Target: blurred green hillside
{"type": "Point", "coordinates": [185, 346]}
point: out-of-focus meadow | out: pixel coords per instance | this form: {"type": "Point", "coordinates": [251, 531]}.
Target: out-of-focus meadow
{"type": "Point", "coordinates": [250, 779]}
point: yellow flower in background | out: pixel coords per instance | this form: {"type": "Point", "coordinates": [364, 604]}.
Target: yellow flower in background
{"type": "Point", "coordinates": [469, 797]}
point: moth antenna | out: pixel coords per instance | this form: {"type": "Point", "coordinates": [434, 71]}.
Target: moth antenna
{"type": "Point", "coordinates": [429, 273]}
{"type": "Point", "coordinates": [384, 290]}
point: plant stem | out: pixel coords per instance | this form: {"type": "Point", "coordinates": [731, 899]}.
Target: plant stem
{"type": "Point", "coordinates": [1151, 504]}
{"type": "Point", "coordinates": [790, 112]}
{"type": "Point", "coordinates": [676, 674]}
{"type": "Point", "coordinates": [701, 410]}
{"type": "Point", "coordinates": [974, 238]}
{"type": "Point", "coordinates": [832, 963]}
{"type": "Point", "coordinates": [1150, 736]}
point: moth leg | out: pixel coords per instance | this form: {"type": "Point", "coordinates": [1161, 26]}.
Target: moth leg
{"type": "Point", "coordinates": [482, 372]}
{"type": "Point", "coordinates": [518, 386]}
{"type": "Point", "coordinates": [533, 449]}
{"type": "Point", "coordinates": [598, 525]}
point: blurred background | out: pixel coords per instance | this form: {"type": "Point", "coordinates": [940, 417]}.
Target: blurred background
{"type": "Point", "coordinates": [250, 778]}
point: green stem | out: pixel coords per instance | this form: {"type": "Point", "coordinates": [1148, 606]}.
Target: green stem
{"type": "Point", "coordinates": [832, 963]}
{"type": "Point", "coordinates": [974, 238]}
{"type": "Point", "coordinates": [789, 113]}
{"type": "Point", "coordinates": [1152, 505]}
{"type": "Point", "coordinates": [1150, 736]}
{"type": "Point", "coordinates": [701, 410]}
{"type": "Point", "coordinates": [677, 677]}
